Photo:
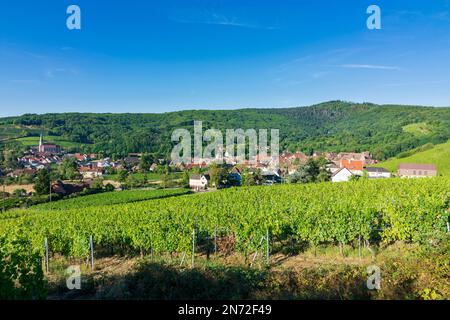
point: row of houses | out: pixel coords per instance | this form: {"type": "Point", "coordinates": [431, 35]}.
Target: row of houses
{"type": "Point", "coordinates": [405, 170]}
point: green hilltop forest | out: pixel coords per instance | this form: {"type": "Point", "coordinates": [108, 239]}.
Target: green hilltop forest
{"type": "Point", "coordinates": [385, 130]}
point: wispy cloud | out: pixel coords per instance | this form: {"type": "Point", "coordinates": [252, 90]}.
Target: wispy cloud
{"type": "Point", "coordinates": [222, 20]}
{"type": "Point", "coordinates": [52, 73]}
{"type": "Point", "coordinates": [368, 66]}
{"type": "Point", "coordinates": [410, 84]}
{"type": "Point", "coordinates": [24, 81]}
{"type": "Point", "coordinates": [34, 55]}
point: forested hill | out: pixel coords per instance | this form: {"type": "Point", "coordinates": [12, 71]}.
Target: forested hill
{"type": "Point", "coordinates": [386, 130]}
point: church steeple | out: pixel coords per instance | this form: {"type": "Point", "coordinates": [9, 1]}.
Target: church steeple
{"type": "Point", "coordinates": [41, 142]}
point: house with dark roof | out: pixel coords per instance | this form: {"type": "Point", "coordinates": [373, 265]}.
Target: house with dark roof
{"type": "Point", "coordinates": [377, 173]}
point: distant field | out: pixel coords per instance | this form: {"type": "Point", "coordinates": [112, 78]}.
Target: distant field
{"type": "Point", "coordinates": [34, 141]}
{"type": "Point", "coordinates": [418, 129]}
{"type": "Point", "coordinates": [439, 155]}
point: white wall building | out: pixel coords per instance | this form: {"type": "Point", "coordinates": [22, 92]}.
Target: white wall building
{"type": "Point", "coordinates": [342, 175]}
{"type": "Point", "coordinates": [198, 182]}
{"type": "Point", "coordinates": [377, 173]}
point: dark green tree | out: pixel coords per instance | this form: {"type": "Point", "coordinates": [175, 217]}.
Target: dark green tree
{"type": "Point", "coordinates": [42, 183]}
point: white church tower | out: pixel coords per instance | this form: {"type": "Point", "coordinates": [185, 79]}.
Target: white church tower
{"type": "Point", "coordinates": [41, 144]}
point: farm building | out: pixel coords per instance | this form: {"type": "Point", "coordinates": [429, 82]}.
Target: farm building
{"type": "Point", "coordinates": [414, 170]}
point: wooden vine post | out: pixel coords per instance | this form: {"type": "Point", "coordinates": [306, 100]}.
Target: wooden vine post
{"type": "Point", "coordinates": [267, 246]}
{"type": "Point", "coordinates": [46, 254]}
{"type": "Point", "coordinates": [359, 247]}
{"type": "Point", "coordinates": [91, 247]}
{"type": "Point", "coordinates": [193, 248]}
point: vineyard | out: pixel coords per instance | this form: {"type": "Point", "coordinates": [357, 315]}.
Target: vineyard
{"type": "Point", "coordinates": [110, 198]}
{"type": "Point", "coordinates": [375, 211]}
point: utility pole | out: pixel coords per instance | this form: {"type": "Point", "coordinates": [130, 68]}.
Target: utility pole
{"type": "Point", "coordinates": [50, 179]}
{"type": "Point", "coordinates": [4, 197]}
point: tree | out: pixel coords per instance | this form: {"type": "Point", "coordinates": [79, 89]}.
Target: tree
{"type": "Point", "coordinates": [185, 180]}
{"type": "Point", "coordinates": [68, 169]}
{"type": "Point", "coordinates": [312, 171]}
{"type": "Point", "coordinates": [123, 174]}
{"type": "Point", "coordinates": [218, 175]}
{"type": "Point", "coordinates": [252, 178]}
{"type": "Point", "coordinates": [306, 173]}
{"type": "Point", "coordinates": [131, 181]}
{"type": "Point", "coordinates": [109, 187]}
{"type": "Point", "coordinates": [324, 174]}
{"type": "Point", "coordinates": [97, 184]}
{"type": "Point", "coordinates": [165, 180]}
{"type": "Point", "coordinates": [10, 159]}
{"type": "Point", "coordinates": [42, 184]}
{"type": "Point", "coordinates": [145, 162]}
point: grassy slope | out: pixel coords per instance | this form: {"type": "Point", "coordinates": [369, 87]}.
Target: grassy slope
{"type": "Point", "coordinates": [439, 156]}
{"type": "Point", "coordinates": [34, 141]}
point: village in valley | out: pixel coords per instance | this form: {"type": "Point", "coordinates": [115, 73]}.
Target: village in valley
{"type": "Point", "coordinates": [80, 172]}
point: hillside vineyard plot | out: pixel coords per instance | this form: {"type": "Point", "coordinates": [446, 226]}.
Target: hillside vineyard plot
{"type": "Point", "coordinates": [377, 211]}
{"type": "Point", "coordinates": [110, 198]}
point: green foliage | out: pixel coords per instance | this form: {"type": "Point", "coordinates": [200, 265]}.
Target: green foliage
{"type": "Point", "coordinates": [333, 126]}
{"type": "Point", "coordinates": [412, 210]}
{"type": "Point", "coordinates": [19, 192]}
{"type": "Point", "coordinates": [312, 171]}
{"type": "Point", "coordinates": [110, 198]}
{"type": "Point", "coordinates": [42, 184]}
{"type": "Point", "coordinates": [68, 169]}
{"type": "Point", "coordinates": [21, 275]}
{"type": "Point", "coordinates": [252, 178]}
{"type": "Point", "coordinates": [10, 159]}
{"type": "Point", "coordinates": [218, 175]}
{"type": "Point", "coordinates": [145, 162]}
{"type": "Point", "coordinates": [109, 187]}
{"type": "Point", "coordinates": [122, 175]}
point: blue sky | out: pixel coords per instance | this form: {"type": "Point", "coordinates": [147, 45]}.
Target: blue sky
{"type": "Point", "coordinates": [158, 56]}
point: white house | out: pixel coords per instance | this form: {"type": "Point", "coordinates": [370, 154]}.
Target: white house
{"type": "Point", "coordinates": [342, 175]}
{"type": "Point", "coordinates": [376, 173]}
{"type": "Point", "coordinates": [91, 173]}
{"type": "Point", "coordinates": [198, 182]}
